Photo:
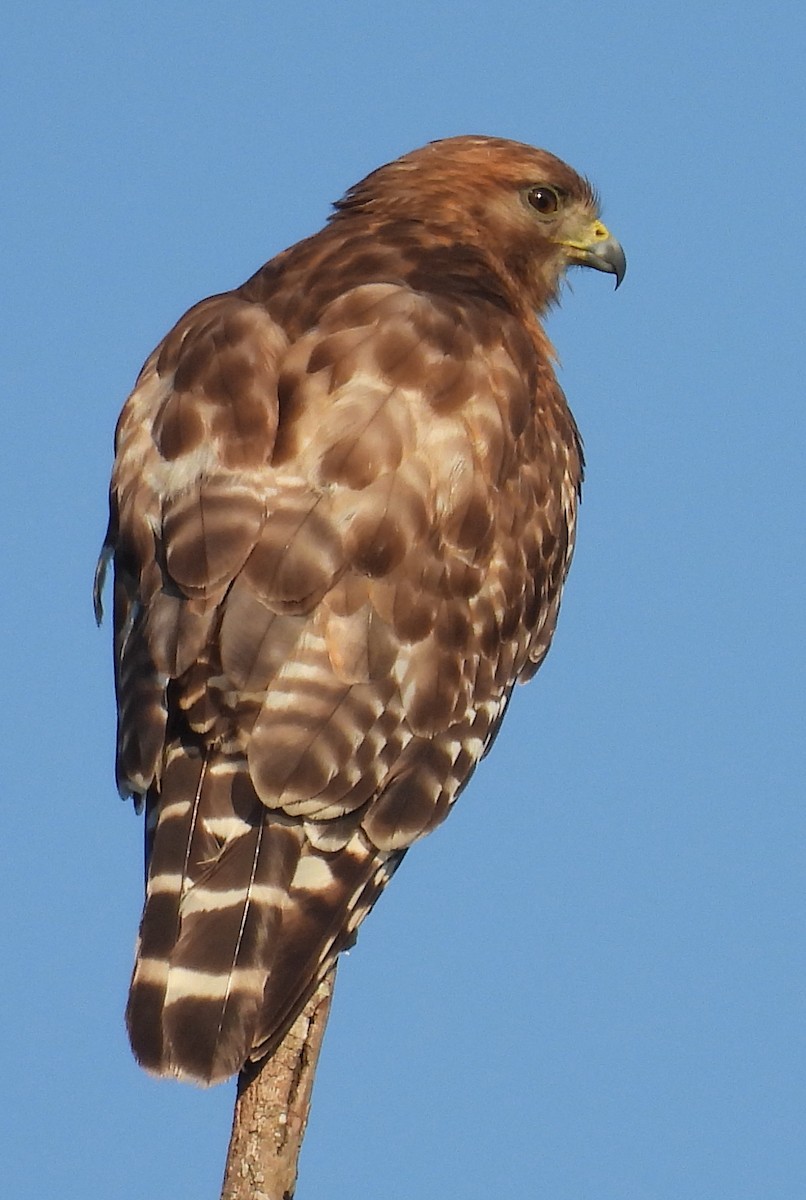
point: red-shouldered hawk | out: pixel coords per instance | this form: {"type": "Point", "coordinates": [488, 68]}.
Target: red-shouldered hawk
{"type": "Point", "coordinates": [342, 511]}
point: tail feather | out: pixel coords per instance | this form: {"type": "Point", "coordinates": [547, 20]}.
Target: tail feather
{"type": "Point", "coordinates": [330, 896]}
{"type": "Point", "coordinates": [170, 822]}
{"type": "Point", "coordinates": [216, 885]}
{"type": "Point", "coordinates": [243, 917]}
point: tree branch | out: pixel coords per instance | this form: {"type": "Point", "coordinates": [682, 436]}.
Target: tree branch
{"type": "Point", "coordinates": [272, 1106]}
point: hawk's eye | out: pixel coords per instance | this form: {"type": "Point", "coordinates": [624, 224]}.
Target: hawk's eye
{"type": "Point", "coordinates": [544, 200]}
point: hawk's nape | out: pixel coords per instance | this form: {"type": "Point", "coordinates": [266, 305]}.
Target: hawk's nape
{"type": "Point", "coordinates": [342, 511]}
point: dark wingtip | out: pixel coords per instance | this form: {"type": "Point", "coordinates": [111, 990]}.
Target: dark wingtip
{"type": "Point", "coordinates": [104, 558]}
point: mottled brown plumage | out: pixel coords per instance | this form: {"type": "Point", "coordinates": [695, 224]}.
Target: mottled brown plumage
{"type": "Point", "coordinates": [342, 511]}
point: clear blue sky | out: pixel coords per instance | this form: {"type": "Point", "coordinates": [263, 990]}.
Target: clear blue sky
{"type": "Point", "coordinates": [589, 985]}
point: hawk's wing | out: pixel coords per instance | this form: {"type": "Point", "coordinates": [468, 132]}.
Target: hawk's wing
{"type": "Point", "coordinates": [333, 560]}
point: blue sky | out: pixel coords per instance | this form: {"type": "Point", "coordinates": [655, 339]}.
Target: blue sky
{"type": "Point", "coordinates": [589, 984]}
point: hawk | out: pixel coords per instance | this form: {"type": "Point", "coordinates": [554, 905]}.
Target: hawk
{"type": "Point", "coordinates": [342, 510]}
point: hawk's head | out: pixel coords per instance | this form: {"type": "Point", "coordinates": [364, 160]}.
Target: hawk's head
{"type": "Point", "coordinates": [523, 207]}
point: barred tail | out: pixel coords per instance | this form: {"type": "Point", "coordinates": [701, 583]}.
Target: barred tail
{"type": "Point", "coordinates": [243, 916]}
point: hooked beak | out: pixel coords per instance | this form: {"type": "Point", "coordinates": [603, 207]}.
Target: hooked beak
{"type": "Point", "coordinates": [598, 248]}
